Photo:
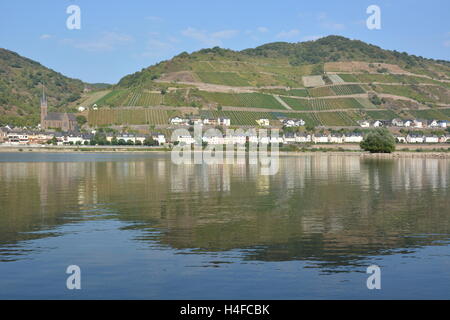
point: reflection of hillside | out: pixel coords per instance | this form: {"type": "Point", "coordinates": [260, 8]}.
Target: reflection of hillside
{"type": "Point", "coordinates": [327, 208]}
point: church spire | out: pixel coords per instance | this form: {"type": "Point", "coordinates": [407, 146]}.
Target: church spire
{"type": "Point", "coordinates": [44, 108]}
{"type": "Point", "coordinates": [43, 98]}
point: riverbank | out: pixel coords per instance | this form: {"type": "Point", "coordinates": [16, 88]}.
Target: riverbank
{"type": "Point", "coordinates": [419, 151]}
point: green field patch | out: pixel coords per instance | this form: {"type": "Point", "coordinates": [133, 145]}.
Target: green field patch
{"type": "Point", "coordinates": [223, 78]}
{"type": "Point", "coordinates": [382, 115]}
{"type": "Point", "coordinates": [430, 114]}
{"type": "Point", "coordinates": [412, 92]}
{"type": "Point", "coordinates": [244, 100]}
{"type": "Point", "coordinates": [238, 118]}
{"type": "Point", "coordinates": [345, 90]}
{"type": "Point", "coordinates": [321, 92]}
{"type": "Point", "coordinates": [348, 78]}
{"type": "Point", "coordinates": [138, 116]}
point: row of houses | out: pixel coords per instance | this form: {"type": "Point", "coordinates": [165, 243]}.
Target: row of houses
{"type": "Point", "coordinates": [299, 138]}
{"type": "Point", "coordinates": [288, 138]}
{"type": "Point", "coordinates": [418, 138]}
{"type": "Point", "coordinates": [225, 122]}
{"type": "Point", "coordinates": [21, 137]}
{"type": "Point", "coordinates": [400, 123]}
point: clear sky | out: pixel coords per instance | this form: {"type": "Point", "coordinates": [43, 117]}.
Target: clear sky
{"type": "Point", "coordinates": [120, 37]}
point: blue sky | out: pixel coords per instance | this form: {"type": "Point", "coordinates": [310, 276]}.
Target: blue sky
{"type": "Point", "coordinates": [121, 37]}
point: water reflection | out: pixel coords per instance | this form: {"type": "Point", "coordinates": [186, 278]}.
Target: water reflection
{"type": "Point", "coordinates": [330, 210]}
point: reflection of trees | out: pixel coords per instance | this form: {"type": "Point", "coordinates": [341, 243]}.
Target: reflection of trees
{"type": "Point", "coordinates": [333, 209]}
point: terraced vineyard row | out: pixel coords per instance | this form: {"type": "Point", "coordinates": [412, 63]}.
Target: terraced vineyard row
{"type": "Point", "coordinates": [432, 114]}
{"type": "Point", "coordinates": [246, 100]}
{"type": "Point", "coordinates": [150, 99]}
{"type": "Point", "coordinates": [382, 115]}
{"type": "Point", "coordinates": [323, 104]}
{"type": "Point", "coordinates": [105, 117]}
{"type": "Point", "coordinates": [223, 78]}
{"type": "Point", "coordinates": [321, 92]}
{"type": "Point", "coordinates": [343, 90]}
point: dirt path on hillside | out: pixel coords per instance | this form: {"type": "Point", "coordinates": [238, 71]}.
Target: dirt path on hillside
{"type": "Point", "coordinates": [284, 104]}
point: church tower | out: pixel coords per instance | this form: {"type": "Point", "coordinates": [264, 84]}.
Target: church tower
{"type": "Point", "coordinates": [44, 108]}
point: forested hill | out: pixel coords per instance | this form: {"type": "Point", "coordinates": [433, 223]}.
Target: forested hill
{"type": "Point", "coordinates": [20, 88]}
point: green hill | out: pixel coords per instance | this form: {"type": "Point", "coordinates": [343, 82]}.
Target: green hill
{"type": "Point", "coordinates": [20, 89]}
{"type": "Point", "coordinates": [333, 81]}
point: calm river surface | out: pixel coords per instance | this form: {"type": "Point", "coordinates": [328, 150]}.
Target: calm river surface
{"type": "Point", "coordinates": [139, 226]}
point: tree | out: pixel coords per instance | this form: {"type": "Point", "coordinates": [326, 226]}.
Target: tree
{"type": "Point", "coordinates": [81, 120]}
{"type": "Point", "coordinates": [379, 141]}
{"type": "Point", "coordinates": [150, 142]}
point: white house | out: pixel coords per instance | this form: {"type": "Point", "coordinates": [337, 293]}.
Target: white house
{"type": "Point", "coordinates": [131, 138]}
{"type": "Point", "coordinates": [320, 138]}
{"type": "Point", "coordinates": [263, 122]}
{"type": "Point", "coordinates": [264, 140]}
{"type": "Point", "coordinates": [336, 138]}
{"type": "Point", "coordinates": [18, 138]}
{"type": "Point", "coordinates": [303, 138]}
{"type": "Point", "coordinates": [433, 124]}
{"type": "Point", "coordinates": [275, 140]}
{"type": "Point", "coordinates": [196, 121]}
{"type": "Point", "coordinates": [443, 124]}
{"type": "Point", "coordinates": [185, 140]}
{"type": "Point", "coordinates": [73, 140]}
{"type": "Point", "coordinates": [408, 123]}
{"type": "Point", "coordinates": [178, 121]}
{"type": "Point", "coordinates": [419, 123]}
{"type": "Point", "coordinates": [236, 139]}
{"type": "Point", "coordinates": [364, 124]}
{"type": "Point", "coordinates": [290, 138]}
{"type": "Point", "coordinates": [225, 122]}
{"type": "Point", "coordinates": [412, 138]}
{"type": "Point", "coordinates": [353, 138]}
{"type": "Point", "coordinates": [400, 139]}
{"type": "Point", "coordinates": [160, 138]}
{"type": "Point", "coordinates": [398, 123]}
{"type": "Point", "coordinates": [210, 121]}
{"type": "Point", "coordinates": [292, 123]}
{"type": "Point", "coordinates": [214, 140]}
{"type": "Point", "coordinates": [81, 109]}
{"type": "Point", "coordinates": [378, 124]}
{"type": "Point", "coordinates": [431, 139]}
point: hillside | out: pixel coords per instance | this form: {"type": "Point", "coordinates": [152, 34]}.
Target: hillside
{"type": "Point", "coordinates": [333, 81]}
{"type": "Point", "coordinates": [20, 89]}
